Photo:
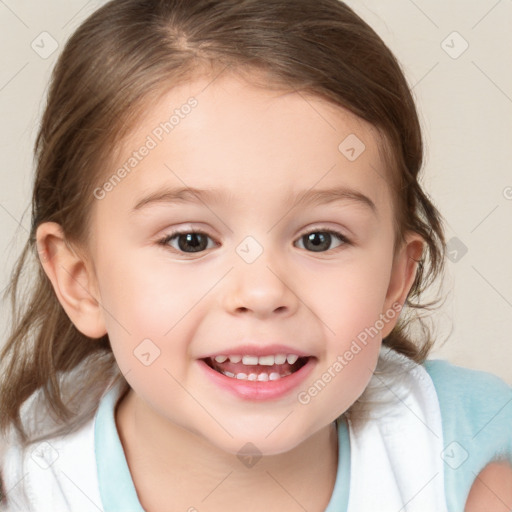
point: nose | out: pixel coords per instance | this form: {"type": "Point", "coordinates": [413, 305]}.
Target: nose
{"type": "Point", "coordinates": [261, 288]}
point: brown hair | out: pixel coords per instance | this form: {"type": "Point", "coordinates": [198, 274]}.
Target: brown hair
{"type": "Point", "coordinates": [124, 57]}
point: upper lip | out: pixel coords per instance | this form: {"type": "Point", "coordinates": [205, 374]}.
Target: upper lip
{"type": "Point", "coordinates": [257, 350]}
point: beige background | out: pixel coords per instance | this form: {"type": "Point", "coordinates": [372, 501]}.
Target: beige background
{"type": "Point", "coordinates": [455, 54]}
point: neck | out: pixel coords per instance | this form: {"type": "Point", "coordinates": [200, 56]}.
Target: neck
{"type": "Point", "coordinates": [169, 464]}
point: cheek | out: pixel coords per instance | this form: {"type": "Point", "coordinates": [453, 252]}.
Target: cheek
{"type": "Point", "coordinates": [145, 294]}
{"type": "Point", "coordinates": [351, 296]}
{"type": "Point", "coordinates": [151, 299]}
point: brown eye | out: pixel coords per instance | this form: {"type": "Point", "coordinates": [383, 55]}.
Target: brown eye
{"type": "Point", "coordinates": [188, 241]}
{"type": "Point", "coordinates": [320, 241]}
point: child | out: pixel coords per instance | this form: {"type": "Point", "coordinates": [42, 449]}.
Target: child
{"type": "Point", "coordinates": [268, 366]}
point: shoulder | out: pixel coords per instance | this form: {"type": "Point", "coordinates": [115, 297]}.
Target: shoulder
{"type": "Point", "coordinates": [480, 401]}
{"type": "Point", "coordinates": [476, 412]}
{"type": "Point", "coordinates": [47, 472]}
{"type": "Point", "coordinates": [492, 489]}
{"type": "Point", "coordinates": [461, 376]}
{"type": "Point", "coordinates": [59, 467]}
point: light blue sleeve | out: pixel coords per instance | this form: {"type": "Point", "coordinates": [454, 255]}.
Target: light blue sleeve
{"type": "Point", "coordinates": [476, 412]}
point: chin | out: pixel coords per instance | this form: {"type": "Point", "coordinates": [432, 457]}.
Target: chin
{"type": "Point", "coordinates": [259, 444]}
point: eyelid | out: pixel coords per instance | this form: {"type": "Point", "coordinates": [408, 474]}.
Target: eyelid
{"type": "Point", "coordinates": [325, 229]}
{"type": "Point", "coordinates": [165, 239]}
{"type": "Point", "coordinates": [185, 230]}
{"type": "Point", "coordinates": [342, 240]}
{"type": "Point", "coordinates": [182, 231]}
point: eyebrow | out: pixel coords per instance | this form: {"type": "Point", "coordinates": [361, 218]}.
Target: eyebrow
{"type": "Point", "coordinates": [212, 196]}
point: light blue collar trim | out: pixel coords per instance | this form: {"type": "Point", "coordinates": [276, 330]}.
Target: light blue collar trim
{"type": "Point", "coordinates": [116, 486]}
{"type": "Point", "coordinates": [340, 493]}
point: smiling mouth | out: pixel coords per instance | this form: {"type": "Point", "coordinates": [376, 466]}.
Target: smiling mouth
{"type": "Point", "coordinates": [246, 368]}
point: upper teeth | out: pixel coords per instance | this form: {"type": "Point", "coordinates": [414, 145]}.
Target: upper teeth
{"type": "Point", "coordinates": [263, 360]}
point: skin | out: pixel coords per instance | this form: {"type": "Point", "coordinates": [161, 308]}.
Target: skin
{"type": "Point", "coordinates": [181, 434]}
{"type": "Point", "coordinates": [492, 489]}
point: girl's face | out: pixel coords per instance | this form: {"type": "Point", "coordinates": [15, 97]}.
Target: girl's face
{"type": "Point", "coordinates": [289, 251]}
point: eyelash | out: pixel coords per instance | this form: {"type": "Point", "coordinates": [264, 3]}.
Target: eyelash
{"type": "Point", "coordinates": [167, 238]}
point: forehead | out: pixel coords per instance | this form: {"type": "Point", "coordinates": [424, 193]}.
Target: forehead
{"type": "Point", "coordinates": [227, 133]}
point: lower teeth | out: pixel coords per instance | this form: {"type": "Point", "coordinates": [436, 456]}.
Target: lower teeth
{"type": "Point", "coordinates": [253, 376]}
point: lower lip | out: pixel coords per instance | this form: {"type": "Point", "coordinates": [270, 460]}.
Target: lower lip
{"type": "Point", "coordinates": [259, 390]}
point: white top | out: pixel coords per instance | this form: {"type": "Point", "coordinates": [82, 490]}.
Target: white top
{"type": "Point", "coordinates": [397, 455]}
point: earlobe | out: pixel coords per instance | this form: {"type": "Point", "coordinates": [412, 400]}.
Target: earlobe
{"type": "Point", "coordinates": [72, 279]}
{"type": "Point", "coordinates": [402, 276]}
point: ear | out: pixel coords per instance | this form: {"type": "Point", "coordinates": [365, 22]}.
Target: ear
{"type": "Point", "coordinates": [72, 278]}
{"type": "Point", "coordinates": [402, 276]}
